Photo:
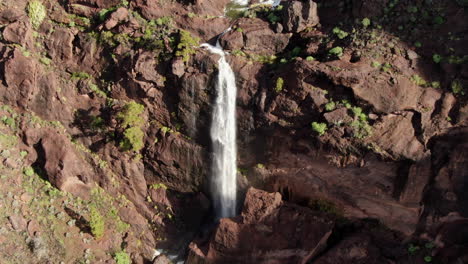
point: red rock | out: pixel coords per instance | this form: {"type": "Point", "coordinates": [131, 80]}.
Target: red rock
{"type": "Point", "coordinates": [300, 15]}
{"type": "Point", "coordinates": [338, 116]}
{"type": "Point", "coordinates": [17, 222]}
{"type": "Point", "coordinates": [60, 44]}
{"type": "Point", "coordinates": [278, 233]}
{"type": "Point", "coordinates": [396, 135]}
{"type": "Point", "coordinates": [18, 32]}
{"type": "Point", "coordinates": [116, 17]}
{"type": "Point", "coordinates": [65, 169]}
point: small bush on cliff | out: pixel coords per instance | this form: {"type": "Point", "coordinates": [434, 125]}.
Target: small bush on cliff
{"type": "Point", "coordinates": [186, 45]}
{"type": "Point", "coordinates": [337, 51]}
{"type": "Point", "coordinates": [279, 84]}
{"type": "Point", "coordinates": [330, 106]}
{"type": "Point", "coordinates": [320, 128]}
{"type": "Point", "coordinates": [131, 121]}
{"type": "Point", "coordinates": [122, 257]}
{"type": "Point", "coordinates": [131, 114]}
{"type": "Point", "coordinates": [340, 33]}
{"type": "Point", "coordinates": [96, 223]}
{"type": "Point", "coordinates": [133, 139]}
{"type": "Point", "coordinates": [36, 13]}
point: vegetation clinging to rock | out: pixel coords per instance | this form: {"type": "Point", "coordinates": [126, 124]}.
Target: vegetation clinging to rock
{"type": "Point", "coordinates": [186, 45]}
{"type": "Point", "coordinates": [131, 121]}
{"type": "Point", "coordinates": [36, 13]}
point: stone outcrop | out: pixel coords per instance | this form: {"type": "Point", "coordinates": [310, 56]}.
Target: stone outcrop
{"type": "Point", "coordinates": [300, 15]}
{"type": "Point", "coordinates": [276, 233]}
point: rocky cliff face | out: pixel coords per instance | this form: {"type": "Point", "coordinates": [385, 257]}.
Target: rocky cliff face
{"type": "Point", "coordinates": [351, 127]}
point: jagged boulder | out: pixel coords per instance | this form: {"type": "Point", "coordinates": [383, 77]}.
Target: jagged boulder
{"type": "Point", "coordinates": [64, 167]}
{"type": "Point", "coordinates": [300, 15]}
{"type": "Point", "coordinates": [254, 36]}
{"type": "Point", "coordinates": [268, 231]}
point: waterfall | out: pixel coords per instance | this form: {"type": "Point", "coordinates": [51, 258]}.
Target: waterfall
{"type": "Point", "coordinates": [223, 136]}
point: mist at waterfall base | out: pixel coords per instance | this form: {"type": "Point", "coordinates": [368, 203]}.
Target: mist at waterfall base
{"type": "Point", "coordinates": [223, 136]}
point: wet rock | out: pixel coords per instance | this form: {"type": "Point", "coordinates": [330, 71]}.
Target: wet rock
{"type": "Point", "coordinates": [162, 259]}
{"type": "Point", "coordinates": [282, 233]}
{"type": "Point", "coordinates": [180, 161]}
{"type": "Point", "coordinates": [233, 40]}
{"type": "Point", "coordinates": [299, 15]}
{"type": "Point", "coordinates": [256, 38]}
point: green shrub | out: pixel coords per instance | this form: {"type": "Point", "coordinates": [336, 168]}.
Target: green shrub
{"type": "Point", "coordinates": [96, 223]}
{"type": "Point", "coordinates": [418, 80]}
{"type": "Point", "coordinates": [337, 51]}
{"type": "Point", "coordinates": [365, 22]}
{"type": "Point", "coordinates": [133, 139]}
{"type": "Point", "coordinates": [131, 114]}
{"type": "Point", "coordinates": [273, 18]}
{"type": "Point", "coordinates": [186, 45]}
{"type": "Point", "coordinates": [122, 257]}
{"type": "Point", "coordinates": [36, 13]}
{"type": "Point", "coordinates": [320, 128]}
{"type": "Point", "coordinates": [457, 87]}
{"type": "Point", "coordinates": [436, 58]}
{"type": "Point", "coordinates": [28, 171]}
{"type": "Point", "coordinates": [330, 106]}
{"type": "Point", "coordinates": [310, 58]}
{"type": "Point", "coordinates": [279, 84]}
{"type": "Point", "coordinates": [375, 64]}
{"type": "Point", "coordinates": [340, 33]}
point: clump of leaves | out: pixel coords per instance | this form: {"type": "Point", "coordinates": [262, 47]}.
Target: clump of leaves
{"type": "Point", "coordinates": [28, 171]}
{"type": "Point", "coordinates": [360, 125]}
{"type": "Point", "coordinates": [273, 18]}
{"type": "Point", "coordinates": [279, 84]}
{"type": "Point", "coordinates": [131, 120]}
{"type": "Point", "coordinates": [457, 87]}
{"type": "Point", "coordinates": [320, 128]}
{"type": "Point", "coordinates": [336, 51]}
{"type": "Point", "coordinates": [418, 80]}
{"type": "Point", "coordinates": [96, 223]}
{"type": "Point", "coordinates": [330, 106]}
{"type": "Point", "coordinates": [36, 13]}
{"type": "Point", "coordinates": [340, 33]}
{"type": "Point", "coordinates": [365, 22]}
{"type": "Point", "coordinates": [131, 114]}
{"type": "Point", "coordinates": [310, 58]}
{"type": "Point", "coordinates": [121, 257]}
{"type": "Point", "coordinates": [413, 248]}
{"type": "Point", "coordinates": [133, 139]}
{"type": "Point", "coordinates": [436, 58]}
{"type": "Point", "coordinates": [186, 45]}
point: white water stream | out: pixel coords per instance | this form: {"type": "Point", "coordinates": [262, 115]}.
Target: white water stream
{"type": "Point", "coordinates": [223, 136]}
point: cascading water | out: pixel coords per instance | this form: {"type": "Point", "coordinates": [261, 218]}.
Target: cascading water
{"type": "Point", "coordinates": [223, 136]}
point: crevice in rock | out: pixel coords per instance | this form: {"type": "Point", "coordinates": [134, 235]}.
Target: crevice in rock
{"type": "Point", "coordinates": [39, 164]}
{"type": "Point", "coordinates": [401, 178]}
